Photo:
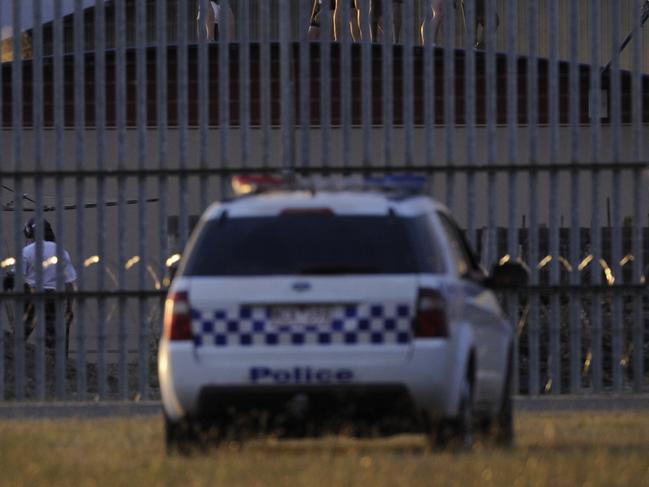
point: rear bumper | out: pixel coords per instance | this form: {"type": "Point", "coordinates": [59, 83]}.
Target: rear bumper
{"type": "Point", "coordinates": [422, 381]}
{"type": "Point", "coordinates": [386, 406]}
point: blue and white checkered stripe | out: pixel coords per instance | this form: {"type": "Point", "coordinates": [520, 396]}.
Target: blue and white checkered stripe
{"type": "Point", "coordinates": [363, 324]}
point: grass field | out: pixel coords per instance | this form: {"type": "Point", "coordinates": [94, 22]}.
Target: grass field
{"type": "Point", "coordinates": [558, 449]}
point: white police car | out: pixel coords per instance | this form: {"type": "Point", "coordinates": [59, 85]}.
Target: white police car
{"type": "Point", "coordinates": [305, 310]}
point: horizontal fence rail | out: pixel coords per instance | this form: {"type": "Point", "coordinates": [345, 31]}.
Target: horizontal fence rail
{"type": "Point", "coordinates": [121, 121]}
{"type": "Point", "coordinates": [315, 170]}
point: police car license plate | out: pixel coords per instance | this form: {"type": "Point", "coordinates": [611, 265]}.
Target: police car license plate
{"type": "Point", "coordinates": [300, 316]}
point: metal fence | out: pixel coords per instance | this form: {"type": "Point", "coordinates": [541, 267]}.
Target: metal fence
{"type": "Point", "coordinates": [540, 158]}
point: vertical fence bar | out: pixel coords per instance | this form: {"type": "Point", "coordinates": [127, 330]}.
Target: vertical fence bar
{"type": "Point", "coordinates": [346, 83]}
{"type": "Point", "coordinates": [183, 80]}
{"type": "Point", "coordinates": [512, 155]}
{"type": "Point", "coordinates": [595, 230]}
{"type": "Point", "coordinates": [162, 124]}
{"type": "Point", "coordinates": [203, 99]}
{"type": "Point", "coordinates": [59, 114]}
{"type": "Point", "coordinates": [3, 249]}
{"type": "Point", "coordinates": [17, 128]}
{"type": "Point", "coordinates": [79, 129]}
{"type": "Point", "coordinates": [265, 85]}
{"type": "Point", "coordinates": [285, 82]}
{"type": "Point", "coordinates": [429, 88]}
{"type": "Point", "coordinates": [305, 84]}
{"type": "Point", "coordinates": [554, 323]}
{"type": "Point", "coordinates": [449, 97]}
{"type": "Point", "coordinates": [224, 88]}
{"type": "Point", "coordinates": [408, 89]}
{"type": "Point", "coordinates": [140, 65]}
{"type": "Point", "coordinates": [39, 304]}
{"type": "Point", "coordinates": [244, 79]}
{"type": "Point", "coordinates": [100, 127]}
{"type": "Point", "coordinates": [575, 237]}
{"type": "Point", "coordinates": [325, 83]}
{"type": "Point", "coordinates": [367, 78]}
{"type": "Point", "coordinates": [37, 81]}
{"type": "Point", "coordinates": [470, 115]}
{"type": "Point", "coordinates": [120, 111]}
{"type": "Point", "coordinates": [388, 81]}
{"type": "Point", "coordinates": [37, 94]}
{"type": "Point", "coordinates": [161, 110]}
{"type": "Point", "coordinates": [638, 215]}
{"type": "Point", "coordinates": [615, 233]}
{"type": "Point", "coordinates": [490, 70]}
{"type": "Point", "coordinates": [533, 234]}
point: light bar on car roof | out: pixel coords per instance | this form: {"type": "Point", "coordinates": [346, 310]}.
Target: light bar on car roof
{"type": "Point", "coordinates": [251, 183]}
{"type": "Point", "coordinates": [398, 182]}
{"type": "Point", "coordinates": [255, 183]}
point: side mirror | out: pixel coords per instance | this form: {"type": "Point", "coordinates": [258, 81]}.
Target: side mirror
{"type": "Point", "coordinates": [507, 275]}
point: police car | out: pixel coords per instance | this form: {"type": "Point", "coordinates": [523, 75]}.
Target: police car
{"type": "Point", "coordinates": [304, 309]}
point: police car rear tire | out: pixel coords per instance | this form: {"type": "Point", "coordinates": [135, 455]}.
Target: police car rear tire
{"type": "Point", "coordinates": [181, 436]}
{"type": "Point", "coordinates": [457, 433]}
{"type": "Point", "coordinates": [504, 424]}
{"type": "Point", "coordinates": [464, 424]}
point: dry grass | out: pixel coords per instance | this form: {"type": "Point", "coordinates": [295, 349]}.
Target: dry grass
{"type": "Point", "coordinates": [558, 449]}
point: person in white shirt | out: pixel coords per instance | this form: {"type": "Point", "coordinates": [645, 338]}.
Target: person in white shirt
{"type": "Point", "coordinates": [49, 266]}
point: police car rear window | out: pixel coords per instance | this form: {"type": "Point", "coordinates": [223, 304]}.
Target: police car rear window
{"type": "Point", "coordinates": [313, 245]}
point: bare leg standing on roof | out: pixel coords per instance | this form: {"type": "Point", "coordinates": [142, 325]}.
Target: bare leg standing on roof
{"type": "Point", "coordinates": [433, 20]}
{"type": "Point", "coordinates": [208, 22]}
{"type": "Point", "coordinates": [481, 23]}
{"type": "Point", "coordinates": [314, 23]}
{"type": "Point", "coordinates": [335, 6]}
{"type": "Point", "coordinates": [377, 24]}
{"type": "Point", "coordinates": [205, 20]}
{"type": "Point", "coordinates": [354, 27]}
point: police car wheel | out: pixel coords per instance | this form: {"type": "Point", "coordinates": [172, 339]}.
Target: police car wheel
{"type": "Point", "coordinates": [181, 436]}
{"type": "Point", "coordinates": [456, 433]}
{"type": "Point", "coordinates": [464, 423]}
{"type": "Point", "coordinates": [504, 434]}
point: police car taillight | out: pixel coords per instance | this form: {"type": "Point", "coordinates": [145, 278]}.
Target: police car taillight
{"type": "Point", "coordinates": [430, 321]}
{"type": "Point", "coordinates": [177, 318]}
